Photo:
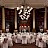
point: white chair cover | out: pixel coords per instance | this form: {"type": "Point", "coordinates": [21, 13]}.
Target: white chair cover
{"type": "Point", "coordinates": [10, 43]}
{"type": "Point", "coordinates": [5, 43]}
{"type": "Point", "coordinates": [24, 40]}
{"type": "Point", "coordinates": [30, 39]}
{"type": "Point", "coordinates": [37, 41]}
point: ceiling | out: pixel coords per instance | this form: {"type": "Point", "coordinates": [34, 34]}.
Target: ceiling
{"type": "Point", "coordinates": [15, 3]}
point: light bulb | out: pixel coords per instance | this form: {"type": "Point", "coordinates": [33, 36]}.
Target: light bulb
{"type": "Point", "coordinates": [22, 18]}
{"type": "Point", "coordinates": [26, 18]}
{"type": "Point", "coordinates": [25, 12]}
{"type": "Point", "coordinates": [29, 13]}
{"type": "Point", "coordinates": [31, 8]}
{"type": "Point", "coordinates": [28, 10]}
{"type": "Point", "coordinates": [21, 15]}
{"type": "Point", "coordinates": [25, 9]}
{"type": "Point", "coordinates": [24, 15]}
{"type": "Point", "coordinates": [20, 12]}
{"type": "Point", "coordinates": [22, 26]}
{"type": "Point", "coordinates": [28, 26]}
{"type": "Point", "coordinates": [18, 8]}
{"type": "Point", "coordinates": [28, 7]}
{"type": "Point", "coordinates": [22, 7]}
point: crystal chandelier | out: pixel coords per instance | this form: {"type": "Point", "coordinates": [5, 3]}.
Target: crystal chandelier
{"type": "Point", "coordinates": [24, 11]}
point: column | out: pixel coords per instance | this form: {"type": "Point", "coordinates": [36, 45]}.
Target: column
{"type": "Point", "coordinates": [33, 21]}
{"type": "Point", "coordinates": [15, 21]}
{"type": "Point", "coordinates": [45, 19]}
{"type": "Point", "coordinates": [3, 19]}
{"type": "Point", "coordinates": [20, 28]}
{"type": "Point", "coordinates": [29, 28]}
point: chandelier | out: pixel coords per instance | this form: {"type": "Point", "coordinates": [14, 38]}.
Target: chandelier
{"type": "Point", "coordinates": [24, 11]}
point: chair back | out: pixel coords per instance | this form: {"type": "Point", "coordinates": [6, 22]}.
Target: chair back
{"type": "Point", "coordinates": [5, 40]}
{"type": "Point", "coordinates": [24, 37]}
{"type": "Point", "coordinates": [40, 39]}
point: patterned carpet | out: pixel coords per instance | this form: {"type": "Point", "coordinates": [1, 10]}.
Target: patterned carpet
{"type": "Point", "coordinates": [23, 46]}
